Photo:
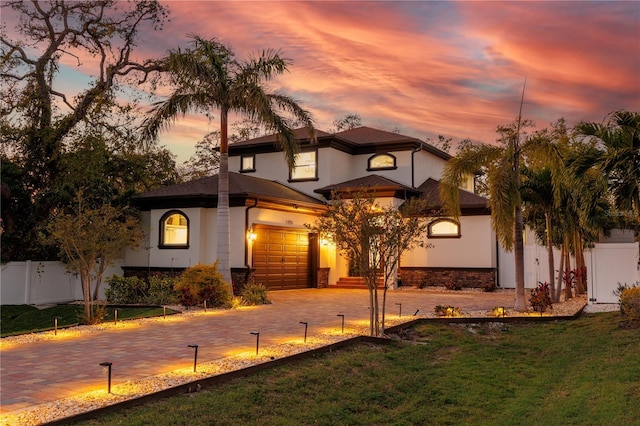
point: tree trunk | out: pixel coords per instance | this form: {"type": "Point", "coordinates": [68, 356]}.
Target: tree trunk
{"type": "Point", "coordinates": [376, 309]}
{"type": "Point", "coordinates": [567, 270]}
{"type": "Point", "coordinates": [371, 331]}
{"type": "Point", "coordinates": [560, 270]}
{"type": "Point", "coordinates": [85, 277]}
{"type": "Point", "coordinates": [518, 251]}
{"type": "Point", "coordinates": [384, 307]}
{"type": "Point", "coordinates": [223, 224]}
{"type": "Point", "coordinates": [550, 260]}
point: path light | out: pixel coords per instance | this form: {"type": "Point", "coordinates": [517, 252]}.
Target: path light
{"type": "Point", "coordinates": [400, 312]}
{"type": "Point", "coordinates": [115, 317]}
{"type": "Point", "coordinates": [106, 367]}
{"type": "Point", "coordinates": [195, 356]}
{"type": "Point", "coordinates": [164, 312]}
{"type": "Point", "coordinates": [342, 315]}
{"type": "Point", "coordinates": [305, 330]}
{"type": "Point", "coordinates": [205, 305]}
{"type": "Point", "coordinates": [257, 334]}
{"type": "Point", "coordinates": [55, 325]}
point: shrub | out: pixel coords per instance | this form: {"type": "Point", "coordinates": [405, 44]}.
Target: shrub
{"type": "Point", "coordinates": [161, 290]}
{"type": "Point", "coordinates": [450, 285]}
{"type": "Point", "coordinates": [540, 298]}
{"type": "Point", "coordinates": [125, 290]}
{"type": "Point", "coordinates": [629, 304]}
{"type": "Point", "coordinates": [254, 294]}
{"type": "Point", "coordinates": [447, 311]}
{"type": "Point", "coordinates": [203, 282]}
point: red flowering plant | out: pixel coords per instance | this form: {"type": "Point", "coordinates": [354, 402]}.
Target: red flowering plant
{"type": "Point", "coordinates": [540, 298]}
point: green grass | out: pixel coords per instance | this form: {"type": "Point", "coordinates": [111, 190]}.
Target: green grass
{"type": "Point", "coordinates": [20, 319]}
{"type": "Point", "coordinates": [582, 372]}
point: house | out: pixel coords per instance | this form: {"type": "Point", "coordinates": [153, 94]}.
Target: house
{"type": "Point", "coordinates": [270, 205]}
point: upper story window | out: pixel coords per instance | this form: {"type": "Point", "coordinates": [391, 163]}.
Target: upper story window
{"type": "Point", "coordinates": [306, 167]}
{"type": "Point", "coordinates": [443, 228]}
{"type": "Point", "coordinates": [382, 162]}
{"type": "Point", "coordinates": [248, 163]}
{"type": "Point", "coordinates": [174, 230]}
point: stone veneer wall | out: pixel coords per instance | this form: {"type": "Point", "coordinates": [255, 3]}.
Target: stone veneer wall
{"type": "Point", "coordinates": [323, 277]}
{"type": "Point", "coordinates": [421, 277]}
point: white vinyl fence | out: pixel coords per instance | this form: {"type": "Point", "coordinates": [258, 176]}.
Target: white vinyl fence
{"type": "Point", "coordinates": [607, 265]}
{"type": "Point", "coordinates": [36, 283]}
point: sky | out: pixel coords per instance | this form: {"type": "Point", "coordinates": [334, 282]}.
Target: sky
{"type": "Point", "coordinates": [427, 68]}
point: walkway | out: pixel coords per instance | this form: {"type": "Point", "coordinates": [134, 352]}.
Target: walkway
{"type": "Point", "coordinates": [49, 370]}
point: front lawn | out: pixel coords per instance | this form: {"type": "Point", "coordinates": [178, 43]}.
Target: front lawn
{"type": "Point", "coordinates": [20, 319]}
{"type": "Point", "coordinates": [585, 371]}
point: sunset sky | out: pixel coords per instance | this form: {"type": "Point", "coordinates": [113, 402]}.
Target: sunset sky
{"type": "Point", "coordinates": [426, 68]}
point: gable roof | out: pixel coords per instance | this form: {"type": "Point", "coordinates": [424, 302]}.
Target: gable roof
{"type": "Point", "coordinates": [379, 185]}
{"type": "Point", "coordinates": [361, 140]}
{"type": "Point", "coordinates": [470, 203]}
{"type": "Point", "coordinates": [203, 192]}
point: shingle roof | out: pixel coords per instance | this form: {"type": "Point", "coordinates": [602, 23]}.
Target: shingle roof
{"type": "Point", "coordinates": [354, 141]}
{"type": "Point", "coordinates": [470, 203]}
{"type": "Point", "coordinates": [204, 192]}
{"type": "Point", "coordinates": [368, 135]}
{"type": "Point", "coordinates": [301, 134]}
{"type": "Point", "coordinates": [375, 183]}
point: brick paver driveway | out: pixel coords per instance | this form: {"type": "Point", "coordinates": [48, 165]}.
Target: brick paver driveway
{"type": "Point", "coordinates": [44, 371]}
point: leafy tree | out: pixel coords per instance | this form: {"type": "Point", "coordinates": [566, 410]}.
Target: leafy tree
{"type": "Point", "coordinates": [374, 238]}
{"type": "Point", "coordinates": [90, 239]}
{"type": "Point", "coordinates": [613, 148]}
{"type": "Point", "coordinates": [501, 166]}
{"type": "Point", "coordinates": [38, 119]}
{"type": "Point", "coordinates": [348, 122]}
{"type": "Point", "coordinates": [207, 75]}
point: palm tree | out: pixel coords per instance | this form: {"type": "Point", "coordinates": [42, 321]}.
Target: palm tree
{"type": "Point", "coordinates": [208, 76]}
{"type": "Point", "coordinates": [501, 166]}
{"type": "Point", "coordinates": [613, 148]}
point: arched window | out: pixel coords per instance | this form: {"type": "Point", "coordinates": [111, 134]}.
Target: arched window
{"type": "Point", "coordinates": [381, 162]}
{"type": "Point", "coordinates": [174, 230]}
{"type": "Point", "coordinates": [443, 228]}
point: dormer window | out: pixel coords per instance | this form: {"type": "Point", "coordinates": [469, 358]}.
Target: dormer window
{"type": "Point", "coordinates": [306, 167]}
{"type": "Point", "coordinates": [174, 230]}
{"type": "Point", "coordinates": [248, 163]}
{"type": "Point", "coordinates": [443, 228]}
{"type": "Point", "coordinates": [382, 162]}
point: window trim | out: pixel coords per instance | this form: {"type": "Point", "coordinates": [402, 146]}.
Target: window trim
{"type": "Point", "coordinates": [163, 218]}
{"type": "Point", "coordinates": [380, 154]}
{"type": "Point", "coordinates": [440, 220]}
{"type": "Point", "coordinates": [307, 179]}
{"type": "Point", "coordinates": [253, 157]}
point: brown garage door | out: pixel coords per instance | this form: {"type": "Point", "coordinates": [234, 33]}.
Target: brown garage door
{"type": "Point", "coordinates": [281, 257]}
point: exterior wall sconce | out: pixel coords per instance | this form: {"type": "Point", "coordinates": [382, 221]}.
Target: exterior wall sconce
{"type": "Point", "coordinates": [106, 367]}
{"type": "Point", "coordinates": [251, 235]}
{"type": "Point", "coordinates": [324, 242]}
{"type": "Point", "coordinates": [195, 356]}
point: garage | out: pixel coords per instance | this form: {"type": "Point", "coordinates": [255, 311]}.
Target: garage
{"type": "Point", "coordinates": [282, 258]}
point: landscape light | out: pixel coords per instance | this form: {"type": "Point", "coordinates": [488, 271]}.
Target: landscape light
{"type": "Point", "coordinates": [257, 334]}
{"type": "Point", "coordinates": [106, 367]}
{"type": "Point", "coordinates": [115, 317]}
{"type": "Point", "coordinates": [195, 356]}
{"type": "Point", "coordinates": [164, 312]}
{"type": "Point", "coordinates": [342, 315]}
{"type": "Point", "coordinates": [400, 312]}
{"type": "Point", "coordinates": [205, 305]}
{"type": "Point", "coordinates": [305, 330]}
{"type": "Point", "coordinates": [55, 325]}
